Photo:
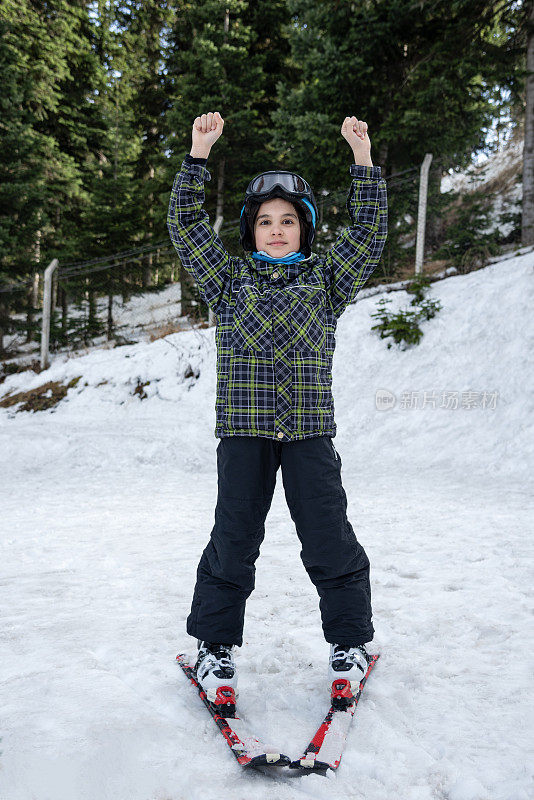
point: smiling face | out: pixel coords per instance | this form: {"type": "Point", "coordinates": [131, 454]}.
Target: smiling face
{"type": "Point", "coordinates": [277, 228]}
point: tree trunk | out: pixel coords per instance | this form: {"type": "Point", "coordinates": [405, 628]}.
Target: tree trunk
{"type": "Point", "coordinates": [148, 261]}
{"type": "Point", "coordinates": [382, 158]}
{"type": "Point", "coordinates": [91, 326]}
{"type": "Point", "coordinates": [124, 285]}
{"type": "Point", "coordinates": [219, 213]}
{"type": "Point", "coordinates": [3, 326]}
{"type": "Point", "coordinates": [32, 299]}
{"type": "Point", "coordinates": [434, 223]}
{"type": "Point", "coordinates": [29, 315]}
{"type": "Point", "coordinates": [147, 271]}
{"type": "Point", "coordinates": [35, 297]}
{"type": "Point", "coordinates": [527, 222]}
{"type": "Point", "coordinates": [109, 333]}
{"type": "Point", "coordinates": [32, 294]}
{"type": "Point", "coordinates": [64, 313]}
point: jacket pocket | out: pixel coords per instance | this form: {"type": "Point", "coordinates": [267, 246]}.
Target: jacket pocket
{"type": "Point", "coordinates": [307, 307]}
{"type": "Point", "coordinates": [252, 322]}
{"type": "Point", "coordinates": [312, 383]}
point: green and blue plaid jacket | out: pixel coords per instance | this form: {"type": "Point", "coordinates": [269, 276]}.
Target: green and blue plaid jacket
{"type": "Point", "coordinates": [276, 323]}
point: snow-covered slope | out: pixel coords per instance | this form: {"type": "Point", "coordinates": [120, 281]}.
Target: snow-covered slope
{"type": "Point", "coordinates": [461, 399]}
{"type": "Point", "coordinates": [108, 501]}
{"type": "Point", "coordinates": [499, 175]}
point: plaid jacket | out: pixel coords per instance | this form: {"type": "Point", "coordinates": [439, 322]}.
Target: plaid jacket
{"type": "Point", "coordinates": [276, 323]}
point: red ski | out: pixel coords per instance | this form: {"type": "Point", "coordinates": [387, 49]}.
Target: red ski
{"type": "Point", "coordinates": [326, 748]}
{"type": "Point", "coordinates": [248, 750]}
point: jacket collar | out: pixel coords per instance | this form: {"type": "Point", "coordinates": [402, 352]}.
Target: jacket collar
{"type": "Point", "coordinates": [289, 271]}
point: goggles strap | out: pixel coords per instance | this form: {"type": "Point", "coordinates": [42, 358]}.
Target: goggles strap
{"type": "Point", "coordinates": [302, 200]}
{"type": "Point", "coordinates": [314, 217]}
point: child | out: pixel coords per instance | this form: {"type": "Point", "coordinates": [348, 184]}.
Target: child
{"type": "Point", "coordinates": [277, 310]}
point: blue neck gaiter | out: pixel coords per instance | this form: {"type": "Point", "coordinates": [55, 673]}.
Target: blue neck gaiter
{"type": "Point", "coordinates": [291, 258]}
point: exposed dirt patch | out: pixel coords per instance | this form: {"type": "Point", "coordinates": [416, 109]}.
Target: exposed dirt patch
{"type": "Point", "coordinates": [140, 389]}
{"type": "Point", "coordinates": [176, 327]}
{"type": "Point", "coordinates": [40, 399]}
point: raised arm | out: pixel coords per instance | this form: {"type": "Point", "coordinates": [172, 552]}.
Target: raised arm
{"type": "Point", "coordinates": [201, 251]}
{"type": "Point", "coordinates": [357, 251]}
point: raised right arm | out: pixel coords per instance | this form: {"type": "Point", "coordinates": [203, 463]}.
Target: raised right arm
{"type": "Point", "coordinates": [201, 251]}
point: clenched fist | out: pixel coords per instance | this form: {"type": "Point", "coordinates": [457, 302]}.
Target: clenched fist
{"type": "Point", "coordinates": [206, 130]}
{"type": "Point", "coordinates": [355, 132]}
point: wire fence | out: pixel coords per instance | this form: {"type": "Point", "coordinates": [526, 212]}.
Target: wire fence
{"type": "Point", "coordinates": [144, 293]}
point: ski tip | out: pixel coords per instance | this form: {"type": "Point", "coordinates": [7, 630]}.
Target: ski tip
{"type": "Point", "coordinates": [307, 765]}
{"type": "Point", "coordinates": [270, 760]}
{"type": "Point", "coordinates": [310, 763]}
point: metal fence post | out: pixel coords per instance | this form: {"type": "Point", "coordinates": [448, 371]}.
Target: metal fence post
{"type": "Point", "coordinates": [421, 213]}
{"type": "Point", "coordinates": [47, 306]}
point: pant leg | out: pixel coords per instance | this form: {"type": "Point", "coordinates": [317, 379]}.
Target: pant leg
{"type": "Point", "coordinates": [247, 467]}
{"type": "Point", "coordinates": [334, 559]}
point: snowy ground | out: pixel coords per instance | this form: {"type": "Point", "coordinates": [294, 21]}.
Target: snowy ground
{"type": "Point", "coordinates": [107, 503]}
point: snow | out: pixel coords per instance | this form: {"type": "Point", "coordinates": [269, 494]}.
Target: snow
{"type": "Point", "coordinates": [108, 501]}
{"type": "Point", "coordinates": [500, 175]}
{"type": "Point", "coordinates": [508, 158]}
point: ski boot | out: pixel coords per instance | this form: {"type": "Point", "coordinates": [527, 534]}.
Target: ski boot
{"type": "Point", "coordinates": [347, 667]}
{"type": "Point", "coordinates": [216, 672]}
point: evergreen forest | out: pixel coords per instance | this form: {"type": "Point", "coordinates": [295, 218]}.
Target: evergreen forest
{"type": "Point", "coordinates": [98, 99]}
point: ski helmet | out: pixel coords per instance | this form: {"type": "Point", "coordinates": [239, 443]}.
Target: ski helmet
{"type": "Point", "coordinates": [287, 185]}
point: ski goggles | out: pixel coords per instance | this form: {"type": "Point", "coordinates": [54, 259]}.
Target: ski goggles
{"type": "Point", "coordinates": [267, 181]}
{"type": "Point", "coordinates": [289, 183]}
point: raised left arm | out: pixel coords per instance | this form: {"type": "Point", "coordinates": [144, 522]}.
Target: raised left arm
{"type": "Point", "coordinates": [357, 251]}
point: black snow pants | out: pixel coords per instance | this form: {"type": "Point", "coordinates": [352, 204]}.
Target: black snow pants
{"type": "Point", "coordinates": [335, 561]}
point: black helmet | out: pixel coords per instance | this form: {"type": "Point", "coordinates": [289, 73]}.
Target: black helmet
{"type": "Point", "coordinates": [287, 185]}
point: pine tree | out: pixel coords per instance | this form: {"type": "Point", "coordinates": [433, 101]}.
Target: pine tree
{"type": "Point", "coordinates": [146, 27]}
{"type": "Point", "coordinates": [419, 74]}
{"type": "Point", "coordinates": [49, 130]}
{"type": "Point", "coordinates": [527, 222]}
{"type": "Point", "coordinates": [226, 57]}
{"type": "Point", "coordinates": [108, 221]}
{"type": "Point", "coordinates": [424, 76]}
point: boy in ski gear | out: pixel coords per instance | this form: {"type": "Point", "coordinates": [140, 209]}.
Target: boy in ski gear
{"type": "Point", "coordinates": [277, 310]}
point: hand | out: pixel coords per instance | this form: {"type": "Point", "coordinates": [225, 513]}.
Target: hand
{"type": "Point", "coordinates": [355, 132]}
{"type": "Point", "coordinates": [206, 130]}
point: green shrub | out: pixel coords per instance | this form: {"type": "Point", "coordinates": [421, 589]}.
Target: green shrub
{"type": "Point", "coordinates": [429, 309]}
{"type": "Point", "coordinates": [418, 286]}
{"type": "Point", "coordinates": [403, 327]}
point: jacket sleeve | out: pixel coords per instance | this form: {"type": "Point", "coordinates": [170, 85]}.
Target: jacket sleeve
{"type": "Point", "coordinates": [201, 252]}
{"type": "Point", "coordinates": [357, 251]}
